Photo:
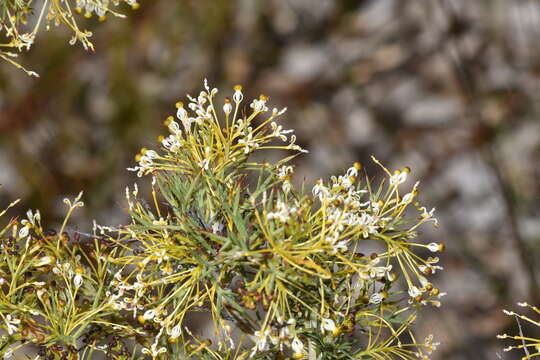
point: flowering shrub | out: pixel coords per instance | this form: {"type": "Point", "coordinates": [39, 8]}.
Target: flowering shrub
{"type": "Point", "coordinates": [333, 272]}
{"type": "Point", "coordinates": [14, 16]}
{"type": "Point", "coordinates": [54, 293]}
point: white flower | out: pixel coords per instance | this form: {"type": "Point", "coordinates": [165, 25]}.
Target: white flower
{"type": "Point", "coordinates": [430, 345]}
{"type": "Point", "coordinates": [78, 280]}
{"type": "Point", "coordinates": [284, 171]}
{"type": "Point", "coordinates": [353, 170]}
{"type": "Point", "coordinates": [407, 198]}
{"type": "Point", "coordinates": [286, 328]}
{"type": "Point", "coordinates": [76, 201]}
{"type": "Point", "coordinates": [277, 131]}
{"type": "Point", "coordinates": [429, 269]}
{"type": "Point", "coordinates": [376, 298]}
{"type": "Point", "coordinates": [283, 213]}
{"type": "Point", "coordinates": [160, 222]}
{"type": "Point", "coordinates": [227, 107]}
{"type": "Point", "coordinates": [217, 227]}
{"type": "Point", "coordinates": [183, 116]}
{"type": "Point", "coordinates": [149, 314]}
{"type": "Point", "coordinates": [340, 246]}
{"type": "Point", "coordinates": [12, 323]}
{"type": "Point", "coordinates": [414, 292]}
{"type": "Point", "coordinates": [8, 354]}
{"type": "Point", "coordinates": [24, 231]}
{"type": "Point", "coordinates": [399, 177]}
{"type": "Point", "coordinates": [320, 191]}
{"type": "Point", "coordinates": [154, 351]}
{"type": "Point", "coordinates": [378, 272]}
{"type": "Point", "coordinates": [181, 113]}
{"type": "Point", "coordinates": [175, 332]}
{"type": "Point", "coordinates": [293, 146]}
{"type": "Point", "coordinates": [261, 340]}
{"type": "Point", "coordinates": [32, 218]}
{"type": "Point", "coordinates": [276, 112]}
{"type": "Point", "coordinates": [171, 143]}
{"type": "Point", "coordinates": [259, 105]}
{"type": "Point", "coordinates": [238, 96]}
{"type": "Point", "coordinates": [434, 247]}
{"type": "Point", "coordinates": [248, 141]}
{"type": "Point", "coordinates": [428, 216]}
{"type": "Point", "coordinates": [329, 325]}
{"type": "Point", "coordinates": [298, 348]}
{"type": "Point", "coordinates": [204, 164]}
{"type": "Point", "coordinates": [174, 128]}
{"type": "Point", "coordinates": [286, 186]}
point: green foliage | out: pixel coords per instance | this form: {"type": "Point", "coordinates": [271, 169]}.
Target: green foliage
{"type": "Point", "coordinates": [281, 272]}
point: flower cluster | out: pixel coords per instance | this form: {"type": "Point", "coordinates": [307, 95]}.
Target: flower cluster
{"type": "Point", "coordinates": [196, 135]}
{"type": "Point", "coordinates": [20, 36]}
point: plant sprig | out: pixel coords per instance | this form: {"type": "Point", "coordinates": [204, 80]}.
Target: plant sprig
{"type": "Point", "coordinates": [19, 35]}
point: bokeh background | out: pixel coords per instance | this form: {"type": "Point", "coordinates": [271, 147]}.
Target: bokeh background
{"type": "Point", "coordinates": [450, 88]}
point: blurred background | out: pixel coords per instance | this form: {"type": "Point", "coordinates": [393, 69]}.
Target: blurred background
{"type": "Point", "coordinates": [447, 87]}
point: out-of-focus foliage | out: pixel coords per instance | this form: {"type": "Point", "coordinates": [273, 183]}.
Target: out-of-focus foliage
{"type": "Point", "coordinates": [21, 21]}
{"type": "Point", "coordinates": [448, 87]}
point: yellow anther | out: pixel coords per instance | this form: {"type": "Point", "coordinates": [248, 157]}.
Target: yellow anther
{"type": "Point", "coordinates": [168, 121]}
